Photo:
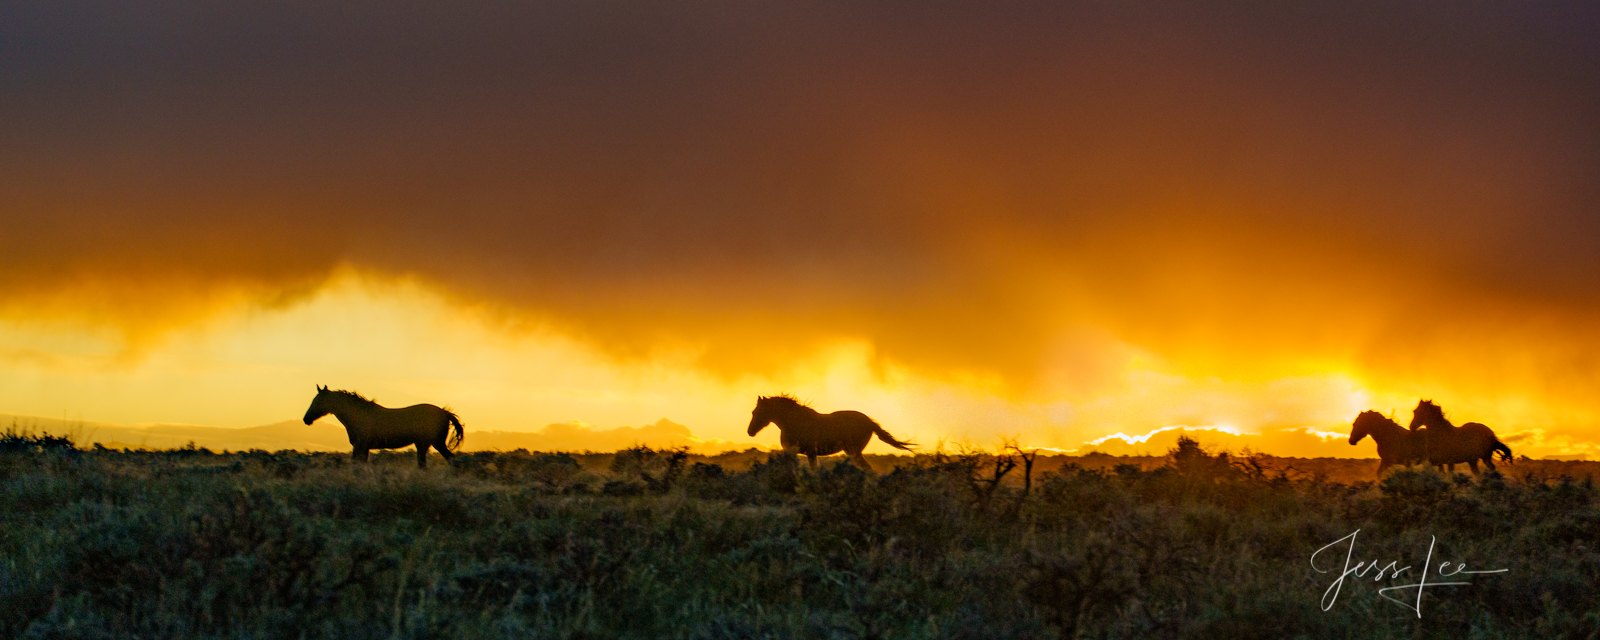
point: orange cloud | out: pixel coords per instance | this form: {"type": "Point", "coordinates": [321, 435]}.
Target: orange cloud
{"type": "Point", "coordinates": [1040, 211]}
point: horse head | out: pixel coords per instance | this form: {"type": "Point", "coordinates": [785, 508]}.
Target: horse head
{"type": "Point", "coordinates": [761, 416]}
{"type": "Point", "coordinates": [318, 406]}
{"type": "Point", "coordinates": [1362, 427]}
{"type": "Point", "coordinates": [770, 409]}
{"type": "Point", "coordinates": [1366, 423]}
{"type": "Point", "coordinates": [1427, 414]}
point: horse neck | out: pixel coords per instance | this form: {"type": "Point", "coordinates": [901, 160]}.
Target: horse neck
{"type": "Point", "coordinates": [345, 407]}
{"type": "Point", "coordinates": [1438, 421]}
{"type": "Point", "coordinates": [1387, 431]}
{"type": "Point", "coordinates": [794, 415]}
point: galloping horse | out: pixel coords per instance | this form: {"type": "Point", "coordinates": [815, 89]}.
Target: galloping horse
{"type": "Point", "coordinates": [373, 427]}
{"type": "Point", "coordinates": [1450, 445]}
{"type": "Point", "coordinates": [1395, 444]}
{"type": "Point", "coordinates": [803, 430]}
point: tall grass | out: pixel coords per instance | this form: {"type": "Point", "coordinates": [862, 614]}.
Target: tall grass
{"type": "Point", "coordinates": [187, 543]}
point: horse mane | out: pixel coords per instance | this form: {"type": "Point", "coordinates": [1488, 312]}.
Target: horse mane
{"type": "Point", "coordinates": [1369, 417]}
{"type": "Point", "coordinates": [1428, 408]}
{"type": "Point", "coordinates": [784, 399]}
{"type": "Point", "coordinates": [354, 396]}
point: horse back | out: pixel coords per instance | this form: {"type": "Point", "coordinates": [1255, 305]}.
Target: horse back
{"type": "Point", "coordinates": [1470, 441]}
{"type": "Point", "coordinates": [852, 423]}
{"type": "Point", "coordinates": [1480, 435]}
{"type": "Point", "coordinates": [829, 433]}
{"type": "Point", "coordinates": [395, 428]}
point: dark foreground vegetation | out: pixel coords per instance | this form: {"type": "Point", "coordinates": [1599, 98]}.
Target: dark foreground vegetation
{"type": "Point", "coordinates": [187, 543]}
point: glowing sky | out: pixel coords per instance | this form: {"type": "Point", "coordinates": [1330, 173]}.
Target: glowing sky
{"type": "Point", "coordinates": [1050, 220]}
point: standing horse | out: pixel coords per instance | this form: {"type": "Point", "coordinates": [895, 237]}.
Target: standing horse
{"type": "Point", "coordinates": [373, 427]}
{"type": "Point", "coordinates": [1395, 444]}
{"type": "Point", "coordinates": [803, 430]}
{"type": "Point", "coordinates": [1448, 444]}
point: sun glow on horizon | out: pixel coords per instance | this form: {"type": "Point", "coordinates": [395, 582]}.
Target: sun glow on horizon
{"type": "Point", "coordinates": [1178, 427]}
{"type": "Point", "coordinates": [1325, 435]}
{"type": "Point", "coordinates": [403, 341]}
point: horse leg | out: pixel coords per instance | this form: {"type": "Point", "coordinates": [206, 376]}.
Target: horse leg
{"type": "Point", "coordinates": [443, 450]}
{"type": "Point", "coordinates": [1474, 465]}
{"type": "Point", "coordinates": [422, 455]}
{"type": "Point", "coordinates": [813, 460]}
{"type": "Point", "coordinates": [358, 455]}
{"type": "Point", "coordinates": [1383, 465]}
{"type": "Point", "coordinates": [861, 461]}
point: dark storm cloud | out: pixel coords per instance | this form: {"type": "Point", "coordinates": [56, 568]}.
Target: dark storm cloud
{"type": "Point", "coordinates": [952, 181]}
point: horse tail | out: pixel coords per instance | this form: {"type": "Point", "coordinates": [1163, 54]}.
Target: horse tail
{"type": "Point", "coordinates": [455, 439]}
{"type": "Point", "coordinates": [1505, 451]}
{"type": "Point", "coordinates": [890, 440]}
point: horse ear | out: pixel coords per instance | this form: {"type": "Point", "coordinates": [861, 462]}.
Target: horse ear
{"type": "Point", "coordinates": [321, 388]}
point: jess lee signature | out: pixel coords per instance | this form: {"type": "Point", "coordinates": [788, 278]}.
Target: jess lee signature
{"type": "Point", "coordinates": [1393, 571]}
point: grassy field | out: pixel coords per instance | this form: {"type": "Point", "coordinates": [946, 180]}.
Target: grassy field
{"type": "Point", "coordinates": [658, 544]}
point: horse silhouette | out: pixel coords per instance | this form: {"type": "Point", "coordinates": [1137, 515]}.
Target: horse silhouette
{"type": "Point", "coordinates": [1396, 445]}
{"type": "Point", "coordinates": [374, 427]}
{"type": "Point", "coordinates": [803, 430]}
{"type": "Point", "coordinates": [1447, 444]}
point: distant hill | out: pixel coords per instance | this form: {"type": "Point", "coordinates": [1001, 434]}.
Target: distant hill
{"type": "Point", "coordinates": [289, 434]}
{"type": "Point", "coordinates": [328, 435]}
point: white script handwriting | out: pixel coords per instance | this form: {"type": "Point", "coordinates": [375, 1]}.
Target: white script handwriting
{"type": "Point", "coordinates": [1393, 571]}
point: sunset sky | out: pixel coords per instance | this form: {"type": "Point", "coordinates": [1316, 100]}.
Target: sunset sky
{"type": "Point", "coordinates": [1050, 221]}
